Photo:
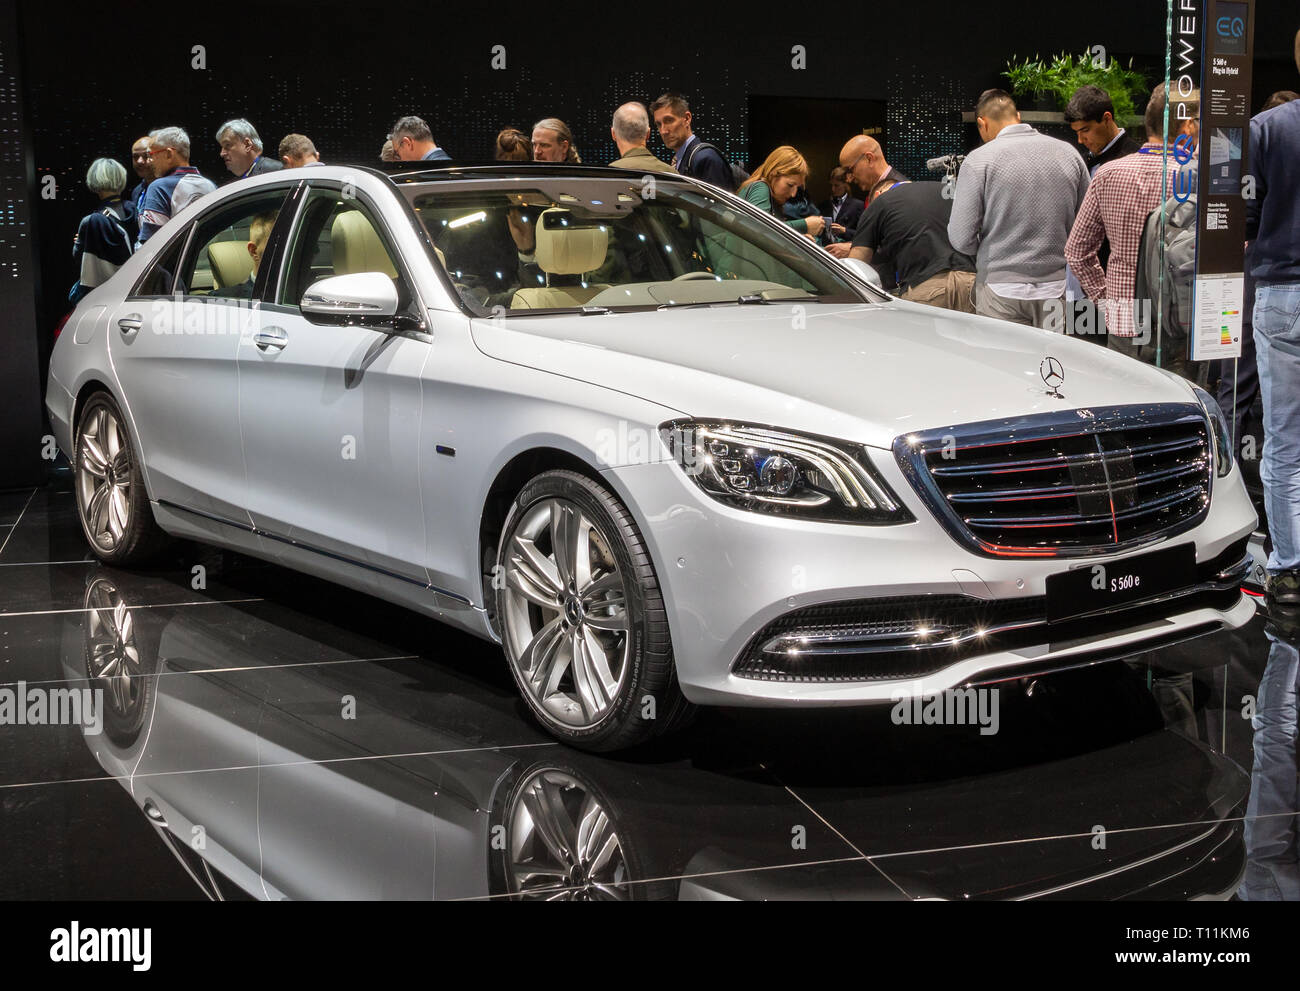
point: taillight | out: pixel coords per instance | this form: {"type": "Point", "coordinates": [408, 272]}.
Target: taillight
{"type": "Point", "coordinates": [59, 328]}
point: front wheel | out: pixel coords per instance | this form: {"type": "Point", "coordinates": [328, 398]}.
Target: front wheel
{"type": "Point", "coordinates": [582, 618]}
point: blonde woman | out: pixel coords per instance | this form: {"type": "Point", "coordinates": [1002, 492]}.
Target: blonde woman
{"type": "Point", "coordinates": [775, 181]}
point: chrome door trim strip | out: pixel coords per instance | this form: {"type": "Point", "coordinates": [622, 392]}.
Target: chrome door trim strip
{"type": "Point", "coordinates": [247, 528]}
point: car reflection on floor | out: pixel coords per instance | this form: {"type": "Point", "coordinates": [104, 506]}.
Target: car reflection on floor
{"type": "Point", "coordinates": [285, 738]}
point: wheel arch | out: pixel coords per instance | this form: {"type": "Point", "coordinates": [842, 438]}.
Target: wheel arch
{"type": "Point", "coordinates": [88, 388]}
{"type": "Point", "coordinates": [515, 474]}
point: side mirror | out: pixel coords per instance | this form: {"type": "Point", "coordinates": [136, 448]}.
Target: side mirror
{"type": "Point", "coordinates": [362, 294]}
{"type": "Point", "coordinates": [862, 270]}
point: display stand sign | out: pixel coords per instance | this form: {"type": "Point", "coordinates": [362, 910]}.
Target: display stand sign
{"type": "Point", "coordinates": [1227, 28]}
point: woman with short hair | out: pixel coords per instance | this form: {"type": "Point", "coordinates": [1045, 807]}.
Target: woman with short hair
{"type": "Point", "coordinates": [775, 182]}
{"type": "Point", "coordinates": [102, 244]}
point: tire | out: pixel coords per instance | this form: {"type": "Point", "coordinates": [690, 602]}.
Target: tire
{"type": "Point", "coordinates": [585, 632]}
{"type": "Point", "coordinates": [112, 503]}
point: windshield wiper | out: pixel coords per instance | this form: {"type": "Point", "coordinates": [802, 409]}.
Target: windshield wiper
{"type": "Point", "coordinates": [587, 311]}
{"type": "Point", "coordinates": [750, 299]}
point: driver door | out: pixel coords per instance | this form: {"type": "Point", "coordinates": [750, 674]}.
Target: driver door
{"type": "Point", "coordinates": [330, 410]}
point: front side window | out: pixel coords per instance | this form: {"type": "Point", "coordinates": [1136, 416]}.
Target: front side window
{"type": "Point", "coordinates": [339, 236]}
{"type": "Point", "coordinates": [559, 244]}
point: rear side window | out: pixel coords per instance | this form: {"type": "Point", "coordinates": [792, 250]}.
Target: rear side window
{"type": "Point", "coordinates": [161, 276]}
{"type": "Point", "coordinates": [228, 247]}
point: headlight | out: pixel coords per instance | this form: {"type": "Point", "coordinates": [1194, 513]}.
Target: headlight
{"type": "Point", "coordinates": [1223, 452]}
{"type": "Point", "coordinates": [769, 471]}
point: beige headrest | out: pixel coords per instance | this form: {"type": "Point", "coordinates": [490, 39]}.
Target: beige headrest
{"type": "Point", "coordinates": [231, 263]}
{"type": "Point", "coordinates": [571, 250]}
{"type": "Point", "coordinates": [357, 247]}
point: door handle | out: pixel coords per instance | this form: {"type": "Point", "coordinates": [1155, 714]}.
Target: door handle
{"type": "Point", "coordinates": [130, 323]}
{"type": "Point", "coordinates": [270, 339]}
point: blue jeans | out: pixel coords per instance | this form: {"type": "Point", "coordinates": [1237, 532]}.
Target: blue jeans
{"type": "Point", "coordinates": [1277, 352]}
{"type": "Point", "coordinates": [1272, 870]}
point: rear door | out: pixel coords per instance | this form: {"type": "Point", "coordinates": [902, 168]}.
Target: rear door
{"type": "Point", "coordinates": [174, 343]}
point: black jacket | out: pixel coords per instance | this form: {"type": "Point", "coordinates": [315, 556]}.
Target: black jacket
{"type": "Point", "coordinates": [706, 164]}
{"type": "Point", "coordinates": [849, 213]}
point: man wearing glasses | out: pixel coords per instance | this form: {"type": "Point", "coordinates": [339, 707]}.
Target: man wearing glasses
{"type": "Point", "coordinates": [865, 161]}
{"type": "Point", "coordinates": [176, 183]}
{"type": "Point", "coordinates": [413, 142]}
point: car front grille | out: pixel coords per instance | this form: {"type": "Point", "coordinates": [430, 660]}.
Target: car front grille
{"type": "Point", "coordinates": [1063, 484]}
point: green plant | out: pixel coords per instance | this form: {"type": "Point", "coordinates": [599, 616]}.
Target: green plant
{"type": "Point", "coordinates": [1062, 74]}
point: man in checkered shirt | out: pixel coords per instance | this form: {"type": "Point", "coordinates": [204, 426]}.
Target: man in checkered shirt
{"type": "Point", "coordinates": [1120, 197]}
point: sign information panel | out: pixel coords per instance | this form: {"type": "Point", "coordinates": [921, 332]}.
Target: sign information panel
{"type": "Point", "coordinates": [1228, 31]}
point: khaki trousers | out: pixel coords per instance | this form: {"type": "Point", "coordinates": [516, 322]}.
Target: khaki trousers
{"type": "Point", "coordinates": [950, 290]}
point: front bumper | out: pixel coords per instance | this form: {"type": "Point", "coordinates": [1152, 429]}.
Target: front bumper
{"type": "Point", "coordinates": [728, 576]}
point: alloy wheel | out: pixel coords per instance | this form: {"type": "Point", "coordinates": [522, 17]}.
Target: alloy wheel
{"type": "Point", "coordinates": [565, 620]}
{"type": "Point", "coordinates": [112, 656]}
{"type": "Point", "coordinates": [104, 479]}
{"type": "Point", "coordinates": [563, 845]}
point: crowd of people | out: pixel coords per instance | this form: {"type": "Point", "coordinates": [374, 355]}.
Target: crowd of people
{"type": "Point", "coordinates": [1027, 230]}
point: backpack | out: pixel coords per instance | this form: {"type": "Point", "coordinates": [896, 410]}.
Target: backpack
{"type": "Point", "coordinates": [1178, 265]}
{"type": "Point", "coordinates": [738, 175]}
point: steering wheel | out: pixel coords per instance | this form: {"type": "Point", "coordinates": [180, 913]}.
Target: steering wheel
{"type": "Point", "coordinates": [688, 276]}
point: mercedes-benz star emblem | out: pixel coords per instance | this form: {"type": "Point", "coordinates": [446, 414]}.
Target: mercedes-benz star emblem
{"type": "Point", "coordinates": [1053, 375]}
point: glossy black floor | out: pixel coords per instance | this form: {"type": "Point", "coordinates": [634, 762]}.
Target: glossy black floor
{"type": "Point", "coordinates": [272, 736]}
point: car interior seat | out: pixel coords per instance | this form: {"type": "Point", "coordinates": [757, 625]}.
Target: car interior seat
{"type": "Point", "coordinates": [230, 262]}
{"type": "Point", "coordinates": [563, 250]}
{"type": "Point", "coordinates": [357, 247]}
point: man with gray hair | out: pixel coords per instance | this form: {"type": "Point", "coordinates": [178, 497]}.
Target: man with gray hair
{"type": "Point", "coordinates": [241, 149]}
{"type": "Point", "coordinates": [176, 182]}
{"type": "Point", "coordinates": [630, 131]}
{"type": "Point", "coordinates": [413, 142]}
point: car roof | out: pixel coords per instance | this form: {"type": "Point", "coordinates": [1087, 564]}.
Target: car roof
{"type": "Point", "coordinates": [400, 173]}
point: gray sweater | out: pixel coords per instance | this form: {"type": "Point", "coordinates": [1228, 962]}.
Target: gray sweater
{"type": "Point", "coordinates": [1014, 205]}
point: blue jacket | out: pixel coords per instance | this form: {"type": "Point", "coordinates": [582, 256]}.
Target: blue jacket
{"type": "Point", "coordinates": [1273, 217]}
{"type": "Point", "coordinates": [167, 196]}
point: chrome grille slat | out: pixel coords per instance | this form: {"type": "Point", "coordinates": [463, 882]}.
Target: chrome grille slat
{"type": "Point", "coordinates": [1056, 492]}
{"type": "Point", "coordinates": [1031, 522]}
{"type": "Point", "coordinates": [1066, 483]}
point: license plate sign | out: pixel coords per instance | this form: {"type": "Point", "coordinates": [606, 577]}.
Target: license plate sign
{"type": "Point", "coordinates": [1104, 585]}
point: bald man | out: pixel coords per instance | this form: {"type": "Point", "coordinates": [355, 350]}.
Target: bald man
{"type": "Point", "coordinates": [865, 160]}
{"type": "Point", "coordinates": [630, 131]}
{"type": "Point", "coordinates": [143, 170]}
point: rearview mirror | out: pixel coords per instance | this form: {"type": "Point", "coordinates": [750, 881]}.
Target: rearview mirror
{"type": "Point", "coordinates": [862, 270]}
{"type": "Point", "coordinates": [361, 294]}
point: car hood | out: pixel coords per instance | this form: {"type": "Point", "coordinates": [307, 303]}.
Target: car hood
{"type": "Point", "coordinates": [865, 372]}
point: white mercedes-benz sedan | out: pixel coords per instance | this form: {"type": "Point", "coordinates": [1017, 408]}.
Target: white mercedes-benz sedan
{"type": "Point", "coordinates": [662, 448]}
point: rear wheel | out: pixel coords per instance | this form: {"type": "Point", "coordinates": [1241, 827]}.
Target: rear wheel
{"type": "Point", "coordinates": [582, 618]}
{"type": "Point", "coordinates": [111, 499]}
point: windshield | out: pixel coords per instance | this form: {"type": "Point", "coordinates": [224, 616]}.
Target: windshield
{"type": "Point", "coordinates": [524, 245]}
